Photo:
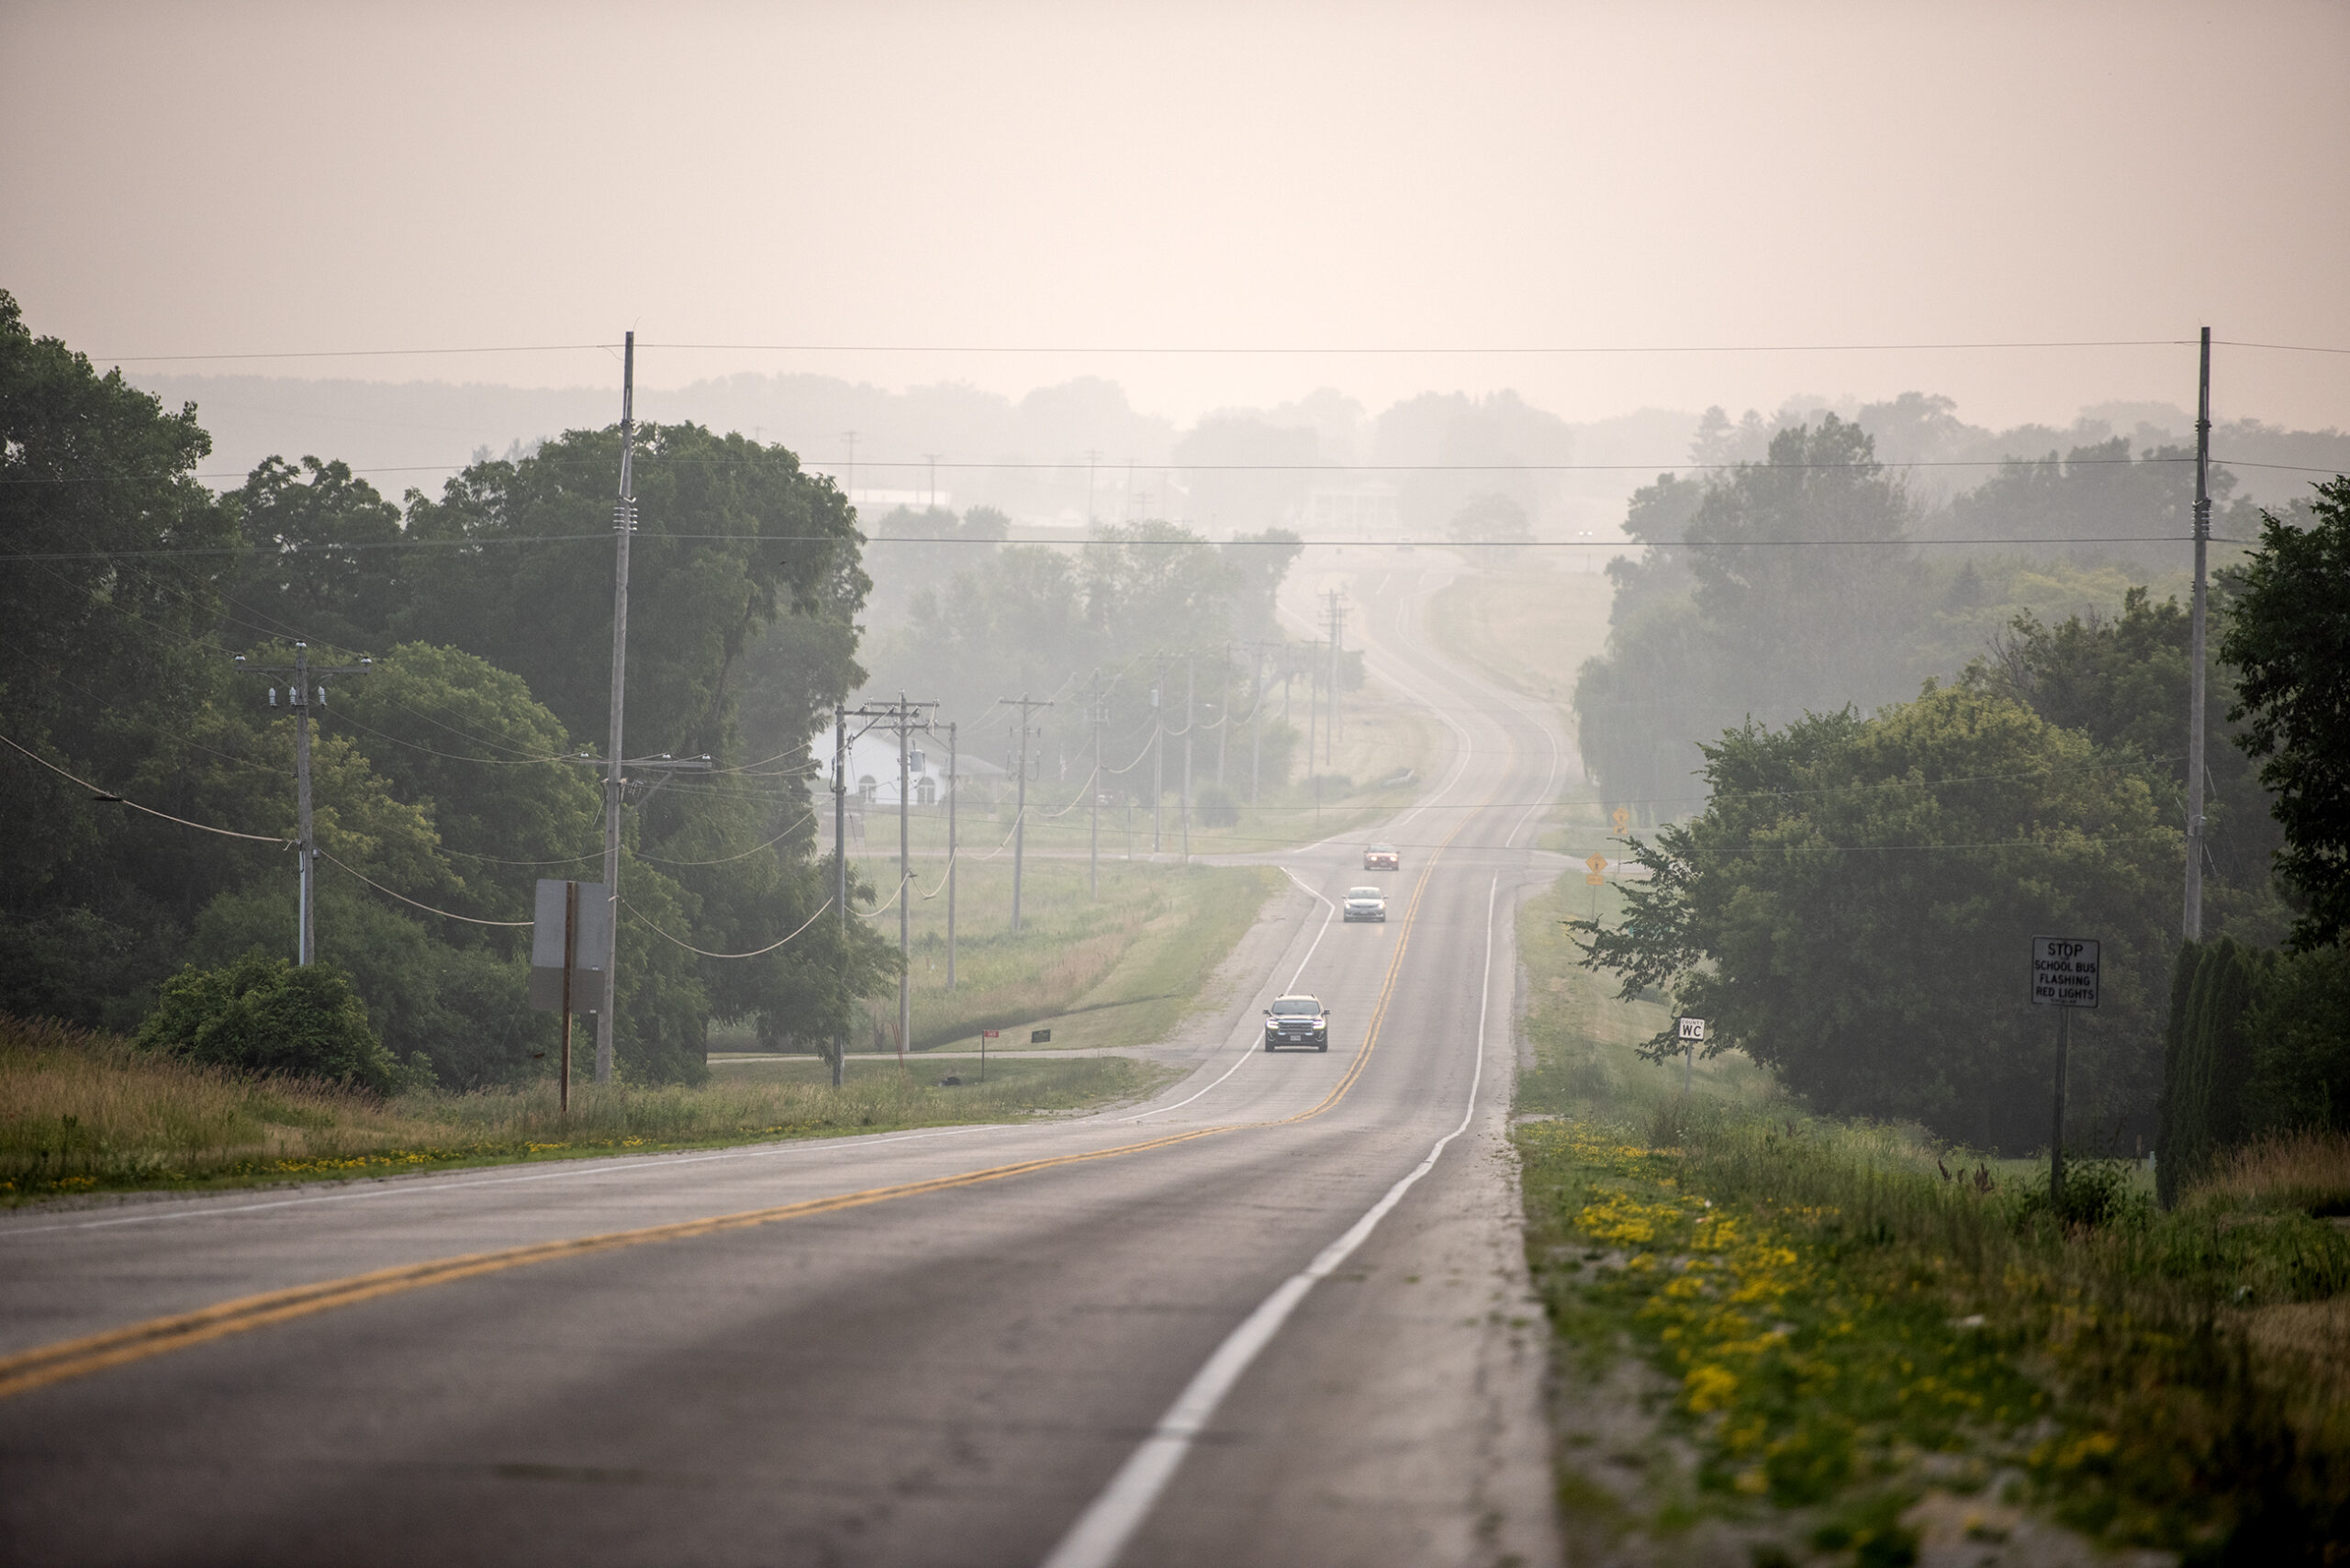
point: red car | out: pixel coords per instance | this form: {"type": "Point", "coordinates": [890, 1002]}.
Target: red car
{"type": "Point", "coordinates": [1382, 857]}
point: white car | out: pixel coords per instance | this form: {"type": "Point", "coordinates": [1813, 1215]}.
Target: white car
{"type": "Point", "coordinates": [1366, 904]}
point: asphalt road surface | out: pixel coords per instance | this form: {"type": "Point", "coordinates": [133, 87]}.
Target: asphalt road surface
{"type": "Point", "coordinates": [1275, 1315]}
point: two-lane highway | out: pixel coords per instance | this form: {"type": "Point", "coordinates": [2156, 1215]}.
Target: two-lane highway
{"type": "Point", "coordinates": [1276, 1314]}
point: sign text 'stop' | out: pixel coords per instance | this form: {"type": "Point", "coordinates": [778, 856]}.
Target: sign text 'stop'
{"type": "Point", "coordinates": [2063, 971]}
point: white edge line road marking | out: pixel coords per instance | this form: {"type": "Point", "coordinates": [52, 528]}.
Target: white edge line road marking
{"type": "Point", "coordinates": [1249, 1055]}
{"type": "Point", "coordinates": [1100, 1533]}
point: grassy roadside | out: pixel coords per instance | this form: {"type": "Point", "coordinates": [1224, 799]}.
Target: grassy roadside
{"type": "Point", "coordinates": [1382, 737]}
{"type": "Point", "coordinates": [1529, 628]}
{"type": "Point", "coordinates": [88, 1113]}
{"type": "Point", "coordinates": [1114, 973]}
{"type": "Point", "coordinates": [1834, 1353]}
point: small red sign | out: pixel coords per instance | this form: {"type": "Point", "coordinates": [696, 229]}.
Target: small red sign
{"type": "Point", "coordinates": [992, 1034]}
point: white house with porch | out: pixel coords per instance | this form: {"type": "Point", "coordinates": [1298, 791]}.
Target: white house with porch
{"type": "Point", "coordinates": [873, 768]}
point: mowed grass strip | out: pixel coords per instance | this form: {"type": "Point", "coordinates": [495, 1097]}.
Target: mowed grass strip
{"type": "Point", "coordinates": [1119, 973]}
{"type": "Point", "coordinates": [83, 1112]}
{"type": "Point", "coordinates": [1862, 1341]}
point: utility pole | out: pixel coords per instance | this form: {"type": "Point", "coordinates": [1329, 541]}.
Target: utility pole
{"type": "Point", "coordinates": [1020, 811]}
{"type": "Point", "coordinates": [1330, 731]}
{"type": "Point", "coordinates": [903, 717]}
{"type": "Point", "coordinates": [1255, 712]}
{"type": "Point", "coordinates": [1098, 713]}
{"type": "Point", "coordinates": [1222, 713]}
{"type": "Point", "coordinates": [1158, 755]}
{"type": "Point", "coordinates": [1189, 683]}
{"type": "Point", "coordinates": [905, 879]}
{"type": "Point", "coordinates": [623, 530]}
{"type": "Point", "coordinates": [954, 772]}
{"type": "Point", "coordinates": [1092, 457]}
{"type": "Point", "coordinates": [840, 868]}
{"type": "Point", "coordinates": [931, 459]}
{"type": "Point", "coordinates": [1312, 713]}
{"type": "Point", "coordinates": [2193, 924]}
{"type": "Point", "coordinates": [299, 695]}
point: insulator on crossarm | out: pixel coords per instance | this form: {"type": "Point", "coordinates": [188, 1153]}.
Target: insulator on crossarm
{"type": "Point", "coordinates": [273, 697]}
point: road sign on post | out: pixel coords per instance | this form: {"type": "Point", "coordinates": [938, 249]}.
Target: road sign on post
{"type": "Point", "coordinates": [573, 921]}
{"type": "Point", "coordinates": [1623, 820]}
{"type": "Point", "coordinates": [2064, 973]}
{"type": "Point", "coordinates": [1692, 1034]}
{"type": "Point", "coordinates": [1596, 869]}
{"type": "Point", "coordinates": [2064, 976]}
{"type": "Point", "coordinates": [592, 941]}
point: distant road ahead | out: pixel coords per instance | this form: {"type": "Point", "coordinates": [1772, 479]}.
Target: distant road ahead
{"type": "Point", "coordinates": [1248, 1323]}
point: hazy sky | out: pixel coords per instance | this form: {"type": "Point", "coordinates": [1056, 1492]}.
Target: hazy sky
{"type": "Point", "coordinates": [212, 179]}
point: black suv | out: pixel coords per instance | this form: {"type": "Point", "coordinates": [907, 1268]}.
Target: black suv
{"type": "Point", "coordinates": [1297, 1021]}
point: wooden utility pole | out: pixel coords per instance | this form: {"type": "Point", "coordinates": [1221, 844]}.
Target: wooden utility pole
{"type": "Point", "coordinates": [1098, 713]}
{"type": "Point", "coordinates": [840, 868]}
{"type": "Point", "coordinates": [952, 774]}
{"type": "Point", "coordinates": [1020, 813]}
{"type": "Point", "coordinates": [903, 717]}
{"type": "Point", "coordinates": [2193, 924]}
{"type": "Point", "coordinates": [1190, 670]}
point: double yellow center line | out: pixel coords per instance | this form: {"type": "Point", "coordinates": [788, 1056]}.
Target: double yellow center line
{"type": "Point", "coordinates": [34, 1369]}
{"type": "Point", "coordinates": [38, 1368]}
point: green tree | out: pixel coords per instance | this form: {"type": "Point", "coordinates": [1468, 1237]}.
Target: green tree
{"type": "Point", "coordinates": [111, 580]}
{"type": "Point", "coordinates": [1853, 906]}
{"type": "Point", "coordinates": [2122, 681]}
{"type": "Point", "coordinates": [1805, 595]}
{"type": "Point", "coordinates": [262, 1014]}
{"type": "Point", "coordinates": [2288, 634]}
{"type": "Point", "coordinates": [320, 562]}
{"type": "Point", "coordinates": [732, 535]}
{"type": "Point", "coordinates": [458, 738]}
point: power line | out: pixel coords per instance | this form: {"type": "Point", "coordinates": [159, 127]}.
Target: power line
{"type": "Point", "coordinates": [1446, 543]}
{"type": "Point", "coordinates": [1189, 350]}
{"type": "Point", "coordinates": [110, 797]}
{"type": "Point", "coordinates": [1011, 465]}
{"type": "Point", "coordinates": [445, 914]}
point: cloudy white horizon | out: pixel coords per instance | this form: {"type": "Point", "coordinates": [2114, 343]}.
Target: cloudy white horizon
{"type": "Point", "coordinates": [1740, 204]}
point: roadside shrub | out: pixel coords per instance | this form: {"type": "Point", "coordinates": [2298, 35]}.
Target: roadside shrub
{"type": "Point", "coordinates": [1217, 808]}
{"type": "Point", "coordinates": [265, 1015]}
{"type": "Point", "coordinates": [2098, 1192]}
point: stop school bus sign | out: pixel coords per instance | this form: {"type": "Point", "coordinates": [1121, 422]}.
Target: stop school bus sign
{"type": "Point", "coordinates": [2063, 971]}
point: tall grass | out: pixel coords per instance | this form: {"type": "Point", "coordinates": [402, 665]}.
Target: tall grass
{"type": "Point", "coordinates": [82, 1112]}
{"type": "Point", "coordinates": [2192, 1339]}
{"type": "Point", "coordinates": [2200, 1356]}
{"type": "Point", "coordinates": [2305, 1170]}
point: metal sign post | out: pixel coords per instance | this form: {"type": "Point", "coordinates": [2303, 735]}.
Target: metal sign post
{"type": "Point", "coordinates": [572, 921]}
{"type": "Point", "coordinates": [985, 1035]}
{"type": "Point", "coordinates": [2064, 976]}
{"type": "Point", "coordinates": [1691, 1035]}
{"type": "Point", "coordinates": [570, 962]}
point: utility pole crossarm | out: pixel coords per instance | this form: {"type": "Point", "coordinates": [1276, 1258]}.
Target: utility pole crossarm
{"type": "Point", "coordinates": [300, 695]}
{"type": "Point", "coordinates": [1027, 705]}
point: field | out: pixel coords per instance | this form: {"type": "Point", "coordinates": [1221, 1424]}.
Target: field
{"type": "Point", "coordinates": [89, 1113]}
{"type": "Point", "coordinates": [1530, 628]}
{"type": "Point", "coordinates": [1112, 973]}
{"type": "Point", "coordinates": [1784, 1336]}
